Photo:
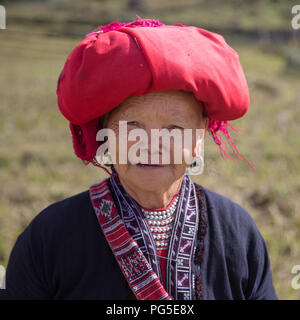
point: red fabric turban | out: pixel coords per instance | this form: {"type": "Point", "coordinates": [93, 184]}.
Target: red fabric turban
{"type": "Point", "coordinates": [130, 59]}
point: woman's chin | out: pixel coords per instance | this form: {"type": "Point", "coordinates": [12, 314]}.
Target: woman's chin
{"type": "Point", "coordinates": [156, 174]}
{"type": "Point", "coordinates": [149, 177]}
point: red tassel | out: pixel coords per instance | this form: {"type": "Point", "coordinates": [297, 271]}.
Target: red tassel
{"type": "Point", "coordinates": [216, 128]}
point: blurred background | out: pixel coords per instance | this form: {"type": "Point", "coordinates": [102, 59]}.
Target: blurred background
{"type": "Point", "coordinates": [37, 162]}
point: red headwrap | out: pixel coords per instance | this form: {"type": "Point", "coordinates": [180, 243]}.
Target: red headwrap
{"type": "Point", "coordinates": [130, 59]}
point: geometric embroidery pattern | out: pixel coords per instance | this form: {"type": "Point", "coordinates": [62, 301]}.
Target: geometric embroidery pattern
{"type": "Point", "coordinates": [139, 274]}
{"type": "Point", "coordinates": [106, 207]}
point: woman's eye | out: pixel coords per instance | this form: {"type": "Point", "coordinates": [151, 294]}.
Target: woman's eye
{"type": "Point", "coordinates": [132, 123]}
{"type": "Point", "coordinates": [175, 127]}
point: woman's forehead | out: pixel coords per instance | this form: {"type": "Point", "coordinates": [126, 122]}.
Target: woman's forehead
{"type": "Point", "coordinates": [166, 96]}
{"type": "Point", "coordinates": [171, 103]}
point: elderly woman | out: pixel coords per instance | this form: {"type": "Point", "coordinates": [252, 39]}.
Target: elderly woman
{"type": "Point", "coordinates": [147, 232]}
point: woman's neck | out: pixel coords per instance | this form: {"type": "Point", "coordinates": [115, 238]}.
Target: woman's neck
{"type": "Point", "coordinates": [155, 199]}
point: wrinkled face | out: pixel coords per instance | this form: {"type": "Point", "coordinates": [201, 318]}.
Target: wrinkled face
{"type": "Point", "coordinates": [166, 110]}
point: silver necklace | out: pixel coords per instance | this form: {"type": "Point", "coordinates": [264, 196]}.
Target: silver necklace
{"type": "Point", "coordinates": [160, 223]}
{"type": "Point", "coordinates": [160, 215]}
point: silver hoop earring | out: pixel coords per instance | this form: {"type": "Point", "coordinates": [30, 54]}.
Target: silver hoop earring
{"type": "Point", "coordinates": [197, 166]}
{"type": "Point", "coordinates": [107, 159]}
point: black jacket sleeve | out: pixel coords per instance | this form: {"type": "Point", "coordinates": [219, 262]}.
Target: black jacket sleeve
{"type": "Point", "coordinates": [24, 276]}
{"type": "Point", "coordinates": [260, 284]}
{"type": "Point", "coordinates": [236, 264]}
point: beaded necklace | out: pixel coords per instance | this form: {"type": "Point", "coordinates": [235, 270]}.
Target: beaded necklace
{"type": "Point", "coordinates": [161, 222]}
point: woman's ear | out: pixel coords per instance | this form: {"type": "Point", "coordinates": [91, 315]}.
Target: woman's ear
{"type": "Point", "coordinates": [206, 123]}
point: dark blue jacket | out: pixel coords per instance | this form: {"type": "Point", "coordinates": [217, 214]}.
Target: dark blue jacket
{"type": "Point", "coordinates": [63, 254]}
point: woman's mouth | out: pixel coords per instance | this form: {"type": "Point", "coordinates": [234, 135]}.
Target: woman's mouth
{"type": "Point", "coordinates": [149, 166]}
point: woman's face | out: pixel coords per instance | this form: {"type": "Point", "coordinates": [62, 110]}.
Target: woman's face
{"type": "Point", "coordinates": [157, 110]}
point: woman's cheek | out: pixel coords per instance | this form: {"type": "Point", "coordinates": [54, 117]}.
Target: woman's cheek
{"type": "Point", "coordinates": [179, 153]}
{"type": "Point", "coordinates": [187, 156]}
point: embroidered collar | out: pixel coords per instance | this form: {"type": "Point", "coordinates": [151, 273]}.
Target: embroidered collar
{"type": "Point", "coordinates": [180, 280]}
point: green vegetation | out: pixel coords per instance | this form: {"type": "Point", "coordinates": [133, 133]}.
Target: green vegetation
{"type": "Point", "coordinates": [37, 163]}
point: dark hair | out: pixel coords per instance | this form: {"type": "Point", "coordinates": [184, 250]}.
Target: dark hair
{"type": "Point", "coordinates": [204, 115]}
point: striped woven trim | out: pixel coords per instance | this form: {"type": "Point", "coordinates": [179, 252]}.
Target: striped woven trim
{"type": "Point", "coordinates": [139, 274]}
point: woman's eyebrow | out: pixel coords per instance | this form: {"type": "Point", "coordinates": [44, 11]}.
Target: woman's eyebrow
{"type": "Point", "coordinates": [177, 117]}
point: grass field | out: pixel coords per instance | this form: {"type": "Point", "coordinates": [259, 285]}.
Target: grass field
{"type": "Point", "coordinates": [38, 166]}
